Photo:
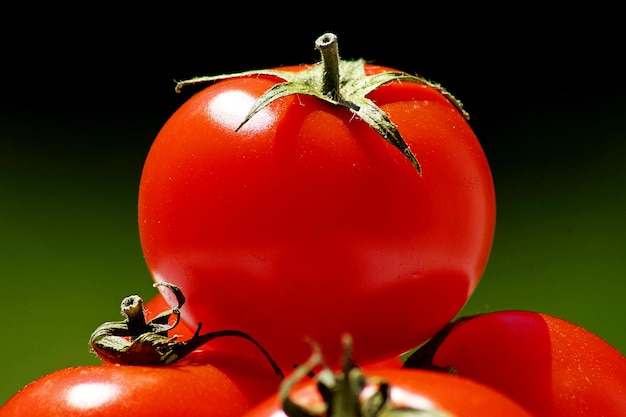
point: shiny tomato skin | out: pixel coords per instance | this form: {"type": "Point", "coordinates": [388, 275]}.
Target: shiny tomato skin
{"type": "Point", "coordinates": [458, 396]}
{"type": "Point", "coordinates": [552, 366]}
{"type": "Point", "coordinates": [207, 384]}
{"type": "Point", "coordinates": [306, 223]}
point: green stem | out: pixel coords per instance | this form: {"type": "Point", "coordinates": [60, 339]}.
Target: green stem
{"type": "Point", "coordinates": [327, 45]}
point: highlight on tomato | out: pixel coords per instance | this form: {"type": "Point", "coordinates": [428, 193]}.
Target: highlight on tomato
{"type": "Point", "coordinates": [313, 200]}
{"type": "Point", "coordinates": [361, 392]}
{"type": "Point", "coordinates": [553, 367]}
{"type": "Point", "coordinates": [147, 372]}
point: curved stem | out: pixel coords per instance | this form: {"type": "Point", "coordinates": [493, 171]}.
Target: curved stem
{"type": "Point", "coordinates": [182, 349]}
{"type": "Point", "coordinates": [423, 357]}
{"type": "Point", "coordinates": [329, 50]}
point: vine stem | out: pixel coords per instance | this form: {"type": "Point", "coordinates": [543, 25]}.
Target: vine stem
{"type": "Point", "coordinates": [329, 50]}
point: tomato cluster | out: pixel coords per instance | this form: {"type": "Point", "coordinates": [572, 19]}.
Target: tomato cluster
{"type": "Point", "coordinates": [325, 220]}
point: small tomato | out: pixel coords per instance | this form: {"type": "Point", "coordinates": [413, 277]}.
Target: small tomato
{"type": "Point", "coordinates": [553, 367]}
{"type": "Point", "coordinates": [382, 392]}
{"type": "Point", "coordinates": [147, 372]}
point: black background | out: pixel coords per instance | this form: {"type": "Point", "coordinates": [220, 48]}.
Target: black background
{"type": "Point", "coordinates": [114, 65]}
{"type": "Point", "coordinates": [117, 66]}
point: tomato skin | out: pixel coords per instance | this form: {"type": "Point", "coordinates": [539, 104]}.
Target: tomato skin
{"type": "Point", "coordinates": [553, 367]}
{"type": "Point", "coordinates": [458, 396]}
{"type": "Point", "coordinates": [306, 223]}
{"type": "Point", "coordinates": [206, 383]}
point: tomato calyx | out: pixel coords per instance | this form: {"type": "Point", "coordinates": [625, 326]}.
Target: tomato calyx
{"type": "Point", "coordinates": [340, 83]}
{"type": "Point", "coordinates": [135, 341]}
{"type": "Point", "coordinates": [342, 392]}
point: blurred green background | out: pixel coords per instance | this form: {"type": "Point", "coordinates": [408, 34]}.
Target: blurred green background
{"type": "Point", "coordinates": [83, 100]}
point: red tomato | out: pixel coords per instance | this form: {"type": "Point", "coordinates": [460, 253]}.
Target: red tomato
{"type": "Point", "coordinates": [553, 367]}
{"type": "Point", "coordinates": [205, 383]}
{"type": "Point", "coordinates": [305, 222]}
{"type": "Point", "coordinates": [457, 396]}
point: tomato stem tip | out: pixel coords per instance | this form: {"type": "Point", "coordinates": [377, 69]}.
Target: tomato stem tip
{"type": "Point", "coordinates": [329, 51]}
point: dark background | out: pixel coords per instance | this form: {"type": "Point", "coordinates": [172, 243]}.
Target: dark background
{"type": "Point", "coordinates": [84, 93]}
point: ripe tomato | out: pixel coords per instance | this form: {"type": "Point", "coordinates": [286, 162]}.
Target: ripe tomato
{"type": "Point", "coordinates": [205, 383]}
{"type": "Point", "coordinates": [553, 367]}
{"type": "Point", "coordinates": [447, 395]}
{"type": "Point", "coordinates": [305, 222]}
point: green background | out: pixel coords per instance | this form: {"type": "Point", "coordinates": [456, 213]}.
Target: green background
{"type": "Point", "coordinates": [79, 112]}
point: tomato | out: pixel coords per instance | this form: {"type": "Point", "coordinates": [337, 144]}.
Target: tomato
{"type": "Point", "coordinates": [183, 378]}
{"type": "Point", "coordinates": [305, 222]}
{"type": "Point", "coordinates": [419, 389]}
{"type": "Point", "coordinates": [315, 389]}
{"type": "Point", "coordinates": [552, 366]}
{"type": "Point", "coordinates": [205, 383]}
